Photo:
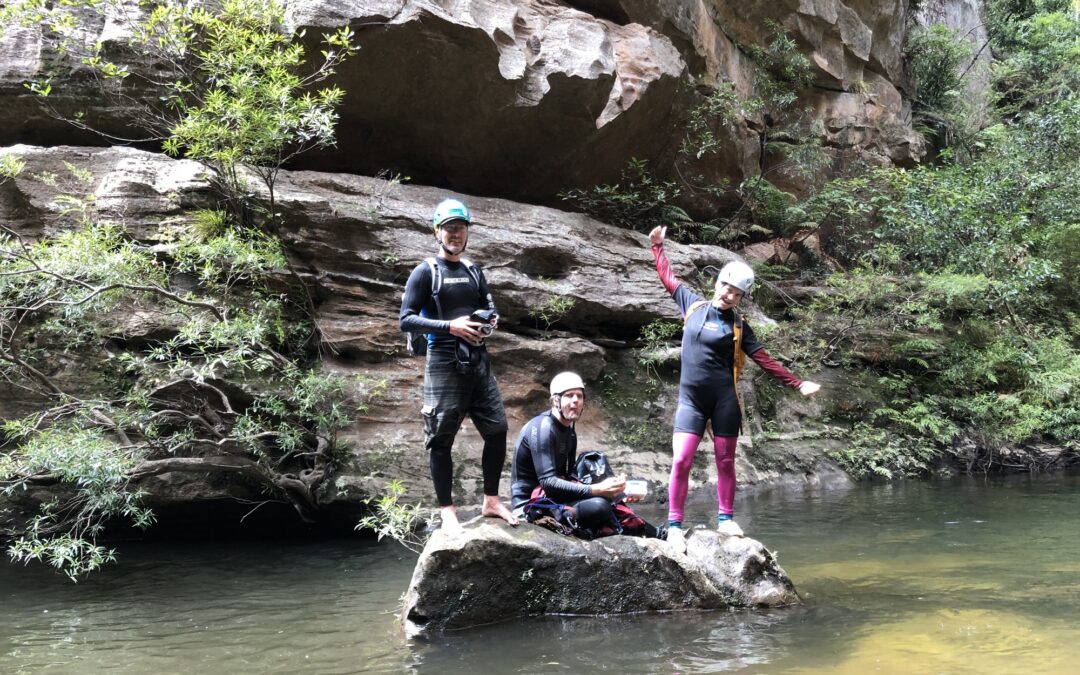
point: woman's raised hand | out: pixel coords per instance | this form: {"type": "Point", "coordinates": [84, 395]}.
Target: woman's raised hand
{"type": "Point", "coordinates": [656, 237]}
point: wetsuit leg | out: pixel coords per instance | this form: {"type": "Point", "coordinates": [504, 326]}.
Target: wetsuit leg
{"type": "Point", "coordinates": [594, 512]}
{"type": "Point", "coordinates": [690, 417]}
{"type": "Point", "coordinates": [493, 461]}
{"type": "Point", "coordinates": [444, 394]}
{"type": "Point", "coordinates": [725, 414]}
{"type": "Point", "coordinates": [726, 419]}
{"type": "Point", "coordinates": [724, 452]}
{"type": "Point", "coordinates": [683, 447]}
{"type": "Point", "coordinates": [489, 418]}
{"type": "Point", "coordinates": [442, 473]}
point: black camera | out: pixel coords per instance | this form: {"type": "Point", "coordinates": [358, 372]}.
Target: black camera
{"type": "Point", "coordinates": [486, 319]}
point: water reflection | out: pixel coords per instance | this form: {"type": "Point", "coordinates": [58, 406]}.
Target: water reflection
{"type": "Point", "coordinates": [315, 607]}
{"type": "Point", "coordinates": [680, 641]}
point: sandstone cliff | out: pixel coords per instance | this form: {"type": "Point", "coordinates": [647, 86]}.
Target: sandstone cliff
{"type": "Point", "coordinates": [355, 240]}
{"type": "Point", "coordinates": [503, 102]}
{"type": "Point", "coordinates": [507, 98]}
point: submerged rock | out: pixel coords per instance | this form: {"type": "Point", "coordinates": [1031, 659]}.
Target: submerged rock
{"type": "Point", "coordinates": [491, 572]}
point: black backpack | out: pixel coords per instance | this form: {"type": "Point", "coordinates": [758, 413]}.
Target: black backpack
{"type": "Point", "coordinates": [592, 467]}
{"type": "Point", "coordinates": [416, 344]}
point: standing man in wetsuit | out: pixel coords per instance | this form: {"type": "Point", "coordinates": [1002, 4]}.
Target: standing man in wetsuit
{"type": "Point", "coordinates": [440, 296]}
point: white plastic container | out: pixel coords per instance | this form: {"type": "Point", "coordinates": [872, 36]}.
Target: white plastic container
{"type": "Point", "coordinates": [637, 488]}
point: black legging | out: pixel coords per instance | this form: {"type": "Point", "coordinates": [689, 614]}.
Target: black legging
{"type": "Point", "coordinates": [442, 466]}
{"type": "Point", "coordinates": [596, 512]}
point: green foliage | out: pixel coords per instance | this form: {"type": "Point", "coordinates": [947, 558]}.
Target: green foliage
{"type": "Point", "coordinates": [1038, 48]}
{"type": "Point", "coordinates": [630, 395]}
{"type": "Point", "coordinates": [878, 452]}
{"type": "Point", "coordinates": [637, 202]}
{"type": "Point", "coordinates": [1019, 389]}
{"type": "Point", "coordinates": [1004, 219]}
{"type": "Point", "coordinates": [246, 101]}
{"type": "Point", "coordinates": [938, 56]}
{"type": "Point", "coordinates": [172, 408]}
{"type": "Point", "coordinates": [64, 533]}
{"type": "Point", "coordinates": [788, 136]}
{"type": "Point", "coordinates": [229, 87]}
{"type": "Point", "coordinates": [11, 166]}
{"type": "Point", "coordinates": [721, 106]}
{"type": "Point", "coordinates": [229, 380]}
{"type": "Point", "coordinates": [553, 309]}
{"type": "Point", "coordinates": [771, 209]}
{"type": "Point", "coordinates": [789, 142]}
{"type": "Point", "coordinates": [953, 367]}
{"type": "Point", "coordinates": [393, 518]}
{"type": "Point", "coordinates": [656, 343]}
{"type": "Point", "coordinates": [941, 60]}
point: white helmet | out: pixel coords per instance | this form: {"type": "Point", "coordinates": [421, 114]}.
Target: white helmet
{"type": "Point", "coordinates": [565, 382]}
{"type": "Point", "coordinates": [450, 209]}
{"type": "Point", "coordinates": [738, 274]}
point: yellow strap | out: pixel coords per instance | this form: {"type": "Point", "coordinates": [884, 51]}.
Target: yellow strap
{"type": "Point", "coordinates": [694, 306]}
{"type": "Point", "coordinates": [740, 358]}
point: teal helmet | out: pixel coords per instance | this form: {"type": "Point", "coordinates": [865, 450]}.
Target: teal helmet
{"type": "Point", "coordinates": [450, 209]}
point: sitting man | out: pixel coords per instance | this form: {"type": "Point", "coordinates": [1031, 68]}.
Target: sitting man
{"type": "Point", "coordinates": [543, 466]}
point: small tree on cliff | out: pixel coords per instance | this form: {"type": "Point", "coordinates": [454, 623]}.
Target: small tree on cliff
{"type": "Point", "coordinates": [228, 383]}
{"type": "Point", "coordinates": [226, 87]}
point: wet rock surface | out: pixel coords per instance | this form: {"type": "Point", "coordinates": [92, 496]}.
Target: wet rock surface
{"type": "Point", "coordinates": [491, 572]}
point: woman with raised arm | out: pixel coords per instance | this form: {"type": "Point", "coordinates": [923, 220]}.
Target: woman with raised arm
{"type": "Point", "coordinates": [716, 340]}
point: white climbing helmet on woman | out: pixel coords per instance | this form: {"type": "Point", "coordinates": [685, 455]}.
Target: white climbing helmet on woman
{"type": "Point", "coordinates": [736, 274]}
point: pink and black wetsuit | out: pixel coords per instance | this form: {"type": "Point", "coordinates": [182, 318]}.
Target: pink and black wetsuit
{"type": "Point", "coordinates": [707, 390]}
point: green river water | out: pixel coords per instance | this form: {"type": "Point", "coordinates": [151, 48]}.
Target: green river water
{"type": "Point", "coordinates": [964, 576]}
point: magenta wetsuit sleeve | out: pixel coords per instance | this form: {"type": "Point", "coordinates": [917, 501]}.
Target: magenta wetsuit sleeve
{"type": "Point", "coordinates": [772, 367]}
{"type": "Point", "coordinates": [663, 269]}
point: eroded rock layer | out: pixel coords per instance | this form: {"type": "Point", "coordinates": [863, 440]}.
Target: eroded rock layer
{"type": "Point", "coordinates": [523, 98]}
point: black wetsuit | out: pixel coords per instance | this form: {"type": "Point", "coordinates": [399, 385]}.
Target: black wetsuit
{"type": "Point", "coordinates": [545, 455]}
{"type": "Point", "coordinates": [451, 392]}
{"type": "Point", "coordinates": [707, 377]}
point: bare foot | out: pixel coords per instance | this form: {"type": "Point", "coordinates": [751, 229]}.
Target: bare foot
{"type": "Point", "coordinates": [494, 508]}
{"type": "Point", "coordinates": [450, 523]}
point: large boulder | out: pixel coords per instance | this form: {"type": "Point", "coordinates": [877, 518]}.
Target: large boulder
{"type": "Point", "coordinates": [491, 572]}
{"type": "Point", "coordinates": [856, 48]}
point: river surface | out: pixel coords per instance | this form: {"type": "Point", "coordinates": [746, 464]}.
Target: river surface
{"type": "Point", "coordinates": [963, 576]}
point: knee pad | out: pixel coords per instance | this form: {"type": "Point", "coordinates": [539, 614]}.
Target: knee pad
{"type": "Point", "coordinates": [594, 512]}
